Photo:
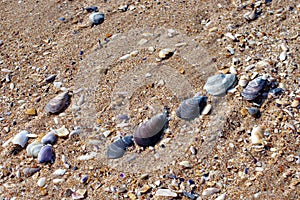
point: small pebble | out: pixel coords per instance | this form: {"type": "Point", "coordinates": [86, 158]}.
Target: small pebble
{"type": "Point", "coordinates": [221, 197]}
{"type": "Point", "coordinates": [59, 172]}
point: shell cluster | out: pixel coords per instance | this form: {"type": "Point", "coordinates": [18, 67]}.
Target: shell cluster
{"type": "Point", "coordinates": [58, 103]}
{"type": "Point", "coordinates": [219, 84]}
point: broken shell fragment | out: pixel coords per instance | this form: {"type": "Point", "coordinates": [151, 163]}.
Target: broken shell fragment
{"type": "Point", "coordinates": [149, 133]}
{"type": "Point", "coordinates": [165, 53]}
{"type": "Point", "coordinates": [191, 108]}
{"type": "Point", "coordinates": [21, 138]}
{"type": "Point", "coordinates": [256, 135]}
{"type": "Point", "coordinates": [61, 132]}
{"type": "Point", "coordinates": [46, 154]}
{"type": "Point", "coordinates": [254, 88]}
{"type": "Point", "coordinates": [58, 103]}
{"type": "Point", "coordinates": [219, 84]}
{"type": "Point", "coordinates": [118, 148]}
{"type": "Point", "coordinates": [34, 148]}
{"type": "Point", "coordinates": [28, 171]}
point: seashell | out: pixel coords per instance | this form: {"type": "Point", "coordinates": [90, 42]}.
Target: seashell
{"type": "Point", "coordinates": [58, 103]}
{"type": "Point", "coordinates": [191, 108]}
{"type": "Point", "coordinates": [165, 193]}
{"type": "Point", "coordinates": [218, 85]}
{"type": "Point", "coordinates": [254, 112]}
{"type": "Point", "coordinates": [21, 138]}
{"type": "Point", "coordinates": [165, 53]}
{"type": "Point", "coordinates": [243, 81]}
{"type": "Point", "coordinates": [87, 156]}
{"type": "Point", "coordinates": [59, 172]}
{"type": "Point", "coordinates": [250, 16]}
{"type": "Point", "coordinates": [210, 191]}
{"type": "Point", "coordinates": [34, 148]}
{"type": "Point", "coordinates": [92, 9]}
{"type": "Point", "coordinates": [61, 132]}
{"type": "Point", "coordinates": [118, 148]}
{"type": "Point", "coordinates": [282, 56]}
{"type": "Point", "coordinates": [79, 194]}
{"type": "Point", "coordinates": [148, 133]}
{"type": "Point", "coordinates": [49, 138]}
{"type": "Point", "coordinates": [46, 154]}
{"type": "Point", "coordinates": [256, 135]}
{"type": "Point", "coordinates": [97, 18]}
{"type": "Point", "coordinates": [41, 182]}
{"type": "Point", "coordinates": [253, 89]}
{"type": "Point", "coordinates": [28, 171]}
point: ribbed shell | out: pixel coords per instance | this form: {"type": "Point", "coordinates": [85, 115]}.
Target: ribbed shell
{"type": "Point", "coordinates": [148, 133]}
{"type": "Point", "coordinates": [57, 104]}
{"type": "Point", "coordinates": [118, 148]}
{"type": "Point", "coordinates": [46, 154]}
{"type": "Point", "coordinates": [191, 108]}
{"type": "Point", "coordinates": [254, 88]}
{"type": "Point", "coordinates": [218, 85]}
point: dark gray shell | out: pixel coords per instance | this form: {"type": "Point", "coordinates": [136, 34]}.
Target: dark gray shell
{"type": "Point", "coordinates": [254, 88]}
{"type": "Point", "coordinates": [218, 85]}
{"type": "Point", "coordinates": [97, 18]}
{"type": "Point", "coordinates": [29, 171]}
{"type": "Point", "coordinates": [46, 154]}
{"type": "Point", "coordinates": [118, 148]}
{"type": "Point", "coordinates": [149, 133]}
{"type": "Point", "coordinates": [191, 108]}
{"type": "Point", "coordinates": [49, 138]}
{"type": "Point", "coordinates": [58, 103]}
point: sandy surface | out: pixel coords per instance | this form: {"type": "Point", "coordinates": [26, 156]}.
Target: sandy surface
{"type": "Point", "coordinates": [207, 38]}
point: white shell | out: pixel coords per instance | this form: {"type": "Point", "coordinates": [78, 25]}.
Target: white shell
{"type": "Point", "coordinates": [87, 156]}
{"type": "Point", "coordinates": [165, 53]}
{"type": "Point", "coordinates": [256, 135]}
{"type": "Point", "coordinates": [210, 191]}
{"type": "Point", "coordinates": [34, 148]}
{"type": "Point", "coordinates": [61, 132]}
{"type": "Point", "coordinates": [282, 56]}
{"type": "Point", "coordinates": [165, 193]}
{"type": "Point", "coordinates": [41, 182]}
{"type": "Point", "coordinates": [221, 197]}
{"type": "Point", "coordinates": [21, 138]}
{"type": "Point", "coordinates": [59, 172]}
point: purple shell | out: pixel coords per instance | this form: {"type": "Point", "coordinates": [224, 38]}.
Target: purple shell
{"type": "Point", "coordinates": [46, 155]}
{"type": "Point", "coordinates": [191, 108]}
{"type": "Point", "coordinates": [49, 138]}
{"type": "Point", "coordinates": [149, 133]}
{"type": "Point", "coordinates": [254, 88]}
{"type": "Point", "coordinates": [58, 103]}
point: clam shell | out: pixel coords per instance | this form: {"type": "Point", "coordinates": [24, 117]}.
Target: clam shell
{"type": "Point", "coordinates": [254, 88]}
{"type": "Point", "coordinates": [28, 171]}
{"type": "Point", "coordinates": [34, 148]}
{"type": "Point", "coordinates": [97, 18]}
{"type": "Point", "coordinates": [21, 138]}
{"type": "Point", "coordinates": [58, 103]}
{"type": "Point", "coordinates": [191, 108]}
{"type": "Point", "coordinates": [118, 148]}
{"type": "Point", "coordinates": [218, 85]}
{"type": "Point", "coordinates": [257, 135]}
{"type": "Point", "coordinates": [148, 133]}
{"type": "Point", "coordinates": [46, 154]}
{"type": "Point", "coordinates": [49, 138]}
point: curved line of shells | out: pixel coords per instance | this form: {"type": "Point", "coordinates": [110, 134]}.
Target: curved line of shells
{"type": "Point", "coordinates": [148, 133]}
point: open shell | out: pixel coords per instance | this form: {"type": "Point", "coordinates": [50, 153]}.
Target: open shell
{"type": "Point", "coordinates": [191, 108]}
{"type": "Point", "coordinates": [149, 133]}
{"type": "Point", "coordinates": [218, 85]}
